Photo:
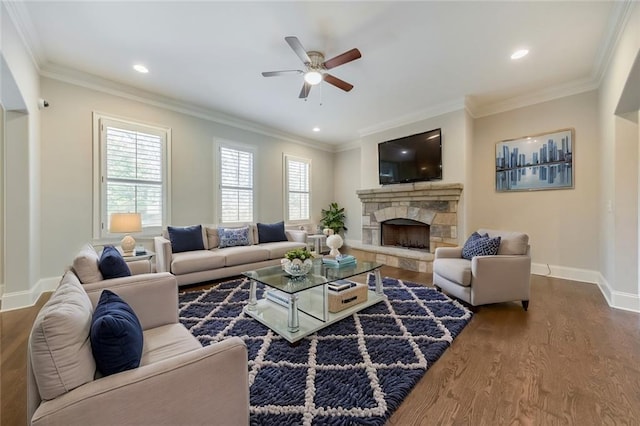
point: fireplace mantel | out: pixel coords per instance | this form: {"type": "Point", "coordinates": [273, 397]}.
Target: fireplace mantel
{"type": "Point", "coordinates": [434, 204]}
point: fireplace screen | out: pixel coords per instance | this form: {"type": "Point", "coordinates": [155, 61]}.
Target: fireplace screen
{"type": "Point", "coordinates": [405, 233]}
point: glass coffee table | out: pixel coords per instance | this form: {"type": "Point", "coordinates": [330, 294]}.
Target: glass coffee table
{"type": "Point", "coordinates": [303, 306]}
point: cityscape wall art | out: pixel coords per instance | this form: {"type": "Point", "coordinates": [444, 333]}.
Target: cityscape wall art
{"type": "Point", "coordinates": [537, 162]}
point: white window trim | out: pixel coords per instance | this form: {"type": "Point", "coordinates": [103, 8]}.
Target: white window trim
{"type": "Point", "coordinates": [99, 210]}
{"type": "Point", "coordinates": [217, 204]}
{"type": "Point", "coordinates": [285, 186]}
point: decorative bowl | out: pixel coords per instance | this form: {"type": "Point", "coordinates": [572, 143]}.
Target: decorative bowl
{"type": "Point", "coordinates": [297, 267]}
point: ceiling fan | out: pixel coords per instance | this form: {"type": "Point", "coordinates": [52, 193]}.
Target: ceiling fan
{"type": "Point", "coordinates": [316, 67]}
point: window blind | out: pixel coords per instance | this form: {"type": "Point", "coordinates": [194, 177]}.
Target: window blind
{"type": "Point", "coordinates": [298, 189]}
{"type": "Point", "coordinates": [236, 185]}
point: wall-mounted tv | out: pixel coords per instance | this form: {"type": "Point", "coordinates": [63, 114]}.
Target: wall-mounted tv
{"type": "Point", "coordinates": [413, 158]}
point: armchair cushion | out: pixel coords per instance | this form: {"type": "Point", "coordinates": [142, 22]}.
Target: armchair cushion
{"type": "Point", "coordinates": [112, 265]}
{"type": "Point", "coordinates": [116, 335]}
{"type": "Point", "coordinates": [271, 233]}
{"type": "Point", "coordinates": [59, 343]}
{"type": "Point", "coordinates": [481, 246]}
{"type": "Point", "coordinates": [185, 238]}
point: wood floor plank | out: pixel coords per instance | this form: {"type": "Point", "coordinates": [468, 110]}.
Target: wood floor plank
{"type": "Point", "coordinates": [571, 359]}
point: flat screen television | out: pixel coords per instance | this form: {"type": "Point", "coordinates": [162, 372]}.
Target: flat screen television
{"type": "Point", "coordinates": [412, 158]}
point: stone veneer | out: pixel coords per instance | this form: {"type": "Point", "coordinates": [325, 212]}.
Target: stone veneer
{"type": "Point", "coordinates": [434, 204]}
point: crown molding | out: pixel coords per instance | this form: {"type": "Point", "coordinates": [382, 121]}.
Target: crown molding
{"type": "Point", "coordinates": [414, 117]}
{"type": "Point", "coordinates": [617, 22]}
{"type": "Point", "coordinates": [93, 82]}
{"type": "Point", "coordinates": [21, 19]}
{"type": "Point", "coordinates": [549, 94]}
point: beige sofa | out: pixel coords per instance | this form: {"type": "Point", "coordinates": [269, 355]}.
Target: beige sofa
{"type": "Point", "coordinates": [487, 279]}
{"type": "Point", "coordinates": [213, 262]}
{"type": "Point", "coordinates": [178, 381]}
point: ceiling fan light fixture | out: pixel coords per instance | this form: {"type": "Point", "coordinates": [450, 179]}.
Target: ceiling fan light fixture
{"type": "Point", "coordinates": [313, 77]}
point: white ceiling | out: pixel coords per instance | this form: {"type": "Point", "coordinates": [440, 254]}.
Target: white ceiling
{"type": "Point", "coordinates": [418, 58]}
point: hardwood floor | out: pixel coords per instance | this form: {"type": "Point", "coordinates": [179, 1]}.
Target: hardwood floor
{"type": "Point", "coordinates": [569, 360]}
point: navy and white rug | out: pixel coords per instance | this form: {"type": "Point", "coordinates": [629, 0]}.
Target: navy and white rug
{"type": "Point", "coordinates": [356, 371]}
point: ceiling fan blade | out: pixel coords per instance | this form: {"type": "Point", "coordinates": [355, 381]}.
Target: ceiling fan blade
{"type": "Point", "coordinates": [349, 56]}
{"type": "Point", "coordinates": [306, 88]}
{"type": "Point", "coordinates": [295, 44]}
{"type": "Point", "coordinates": [340, 84]}
{"type": "Point", "coordinates": [276, 73]}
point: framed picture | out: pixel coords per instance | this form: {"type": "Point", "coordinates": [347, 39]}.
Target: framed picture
{"type": "Point", "coordinates": [536, 162]}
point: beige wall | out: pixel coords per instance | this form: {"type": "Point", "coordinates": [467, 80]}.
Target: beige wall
{"type": "Point", "coordinates": [562, 224]}
{"type": "Point", "coordinates": [619, 225]}
{"type": "Point", "coordinates": [346, 183]}
{"type": "Point", "coordinates": [67, 167]}
{"type": "Point", "coordinates": [20, 82]}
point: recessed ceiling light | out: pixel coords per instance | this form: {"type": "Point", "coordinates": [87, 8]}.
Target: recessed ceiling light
{"type": "Point", "coordinates": [519, 54]}
{"type": "Point", "coordinates": [140, 68]}
{"type": "Point", "coordinates": [316, 129]}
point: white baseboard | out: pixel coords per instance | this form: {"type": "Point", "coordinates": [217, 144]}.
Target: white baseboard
{"type": "Point", "coordinates": [615, 299]}
{"type": "Point", "coordinates": [23, 299]}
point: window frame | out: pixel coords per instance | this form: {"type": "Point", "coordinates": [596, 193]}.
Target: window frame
{"type": "Point", "coordinates": [217, 199]}
{"type": "Point", "coordinates": [100, 219]}
{"type": "Point", "coordinates": [285, 174]}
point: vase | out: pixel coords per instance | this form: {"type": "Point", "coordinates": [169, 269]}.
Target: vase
{"type": "Point", "coordinates": [297, 267]}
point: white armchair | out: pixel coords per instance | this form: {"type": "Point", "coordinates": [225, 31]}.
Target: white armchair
{"type": "Point", "coordinates": [486, 279]}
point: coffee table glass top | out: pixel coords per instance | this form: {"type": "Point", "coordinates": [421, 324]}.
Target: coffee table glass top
{"type": "Point", "coordinates": [276, 277]}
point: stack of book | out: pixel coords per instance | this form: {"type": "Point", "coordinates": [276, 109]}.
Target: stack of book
{"type": "Point", "coordinates": [341, 285]}
{"type": "Point", "coordinates": [339, 260]}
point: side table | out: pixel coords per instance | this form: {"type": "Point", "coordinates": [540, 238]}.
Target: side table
{"type": "Point", "coordinates": [317, 239]}
{"type": "Point", "coordinates": [140, 263]}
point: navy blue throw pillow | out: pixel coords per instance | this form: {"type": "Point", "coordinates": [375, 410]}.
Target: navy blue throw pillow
{"type": "Point", "coordinates": [483, 246]}
{"type": "Point", "coordinates": [185, 238]}
{"type": "Point", "coordinates": [112, 265]}
{"type": "Point", "coordinates": [271, 233]}
{"type": "Point", "coordinates": [116, 335]}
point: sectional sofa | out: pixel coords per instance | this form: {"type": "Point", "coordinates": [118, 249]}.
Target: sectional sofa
{"type": "Point", "coordinates": [206, 255]}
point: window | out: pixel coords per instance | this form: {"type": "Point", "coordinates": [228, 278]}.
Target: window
{"type": "Point", "coordinates": [133, 173]}
{"type": "Point", "coordinates": [236, 184]}
{"type": "Point", "coordinates": [297, 171]}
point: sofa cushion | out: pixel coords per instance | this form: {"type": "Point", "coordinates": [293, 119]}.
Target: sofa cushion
{"type": "Point", "coordinates": [233, 237]}
{"type": "Point", "coordinates": [116, 335]}
{"type": "Point", "coordinates": [483, 246]}
{"type": "Point", "coordinates": [59, 343]}
{"type": "Point", "coordinates": [456, 270]}
{"type": "Point", "coordinates": [242, 255]}
{"type": "Point", "coordinates": [212, 237]}
{"type": "Point", "coordinates": [185, 238]}
{"type": "Point", "coordinates": [196, 261]}
{"type": "Point", "coordinates": [271, 233]}
{"type": "Point", "coordinates": [278, 249]}
{"type": "Point", "coordinates": [85, 265]}
{"type": "Point", "coordinates": [112, 265]}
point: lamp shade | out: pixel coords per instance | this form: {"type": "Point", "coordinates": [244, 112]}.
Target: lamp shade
{"type": "Point", "coordinates": [125, 222]}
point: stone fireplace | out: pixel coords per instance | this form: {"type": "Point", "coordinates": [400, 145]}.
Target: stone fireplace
{"type": "Point", "coordinates": [403, 224]}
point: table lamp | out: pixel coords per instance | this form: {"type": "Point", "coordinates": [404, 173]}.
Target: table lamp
{"type": "Point", "coordinates": [124, 223]}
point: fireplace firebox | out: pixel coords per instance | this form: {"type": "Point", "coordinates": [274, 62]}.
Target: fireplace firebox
{"type": "Point", "coordinates": [406, 233]}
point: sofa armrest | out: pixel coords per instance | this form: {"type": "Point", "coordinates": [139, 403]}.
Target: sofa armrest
{"type": "Point", "coordinates": [163, 254]}
{"type": "Point", "coordinates": [448, 253]}
{"type": "Point", "coordinates": [502, 275]}
{"type": "Point", "coordinates": [185, 389]}
{"type": "Point", "coordinates": [297, 235]}
{"type": "Point", "coordinates": [153, 297]}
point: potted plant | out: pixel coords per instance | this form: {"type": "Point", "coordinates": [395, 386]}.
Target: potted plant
{"type": "Point", "coordinates": [297, 262]}
{"type": "Point", "coordinates": [333, 218]}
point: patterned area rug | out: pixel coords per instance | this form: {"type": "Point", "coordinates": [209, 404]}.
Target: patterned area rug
{"type": "Point", "coordinates": [356, 371]}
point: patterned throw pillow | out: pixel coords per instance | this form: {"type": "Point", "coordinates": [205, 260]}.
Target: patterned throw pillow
{"type": "Point", "coordinates": [233, 237]}
{"type": "Point", "coordinates": [480, 246]}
